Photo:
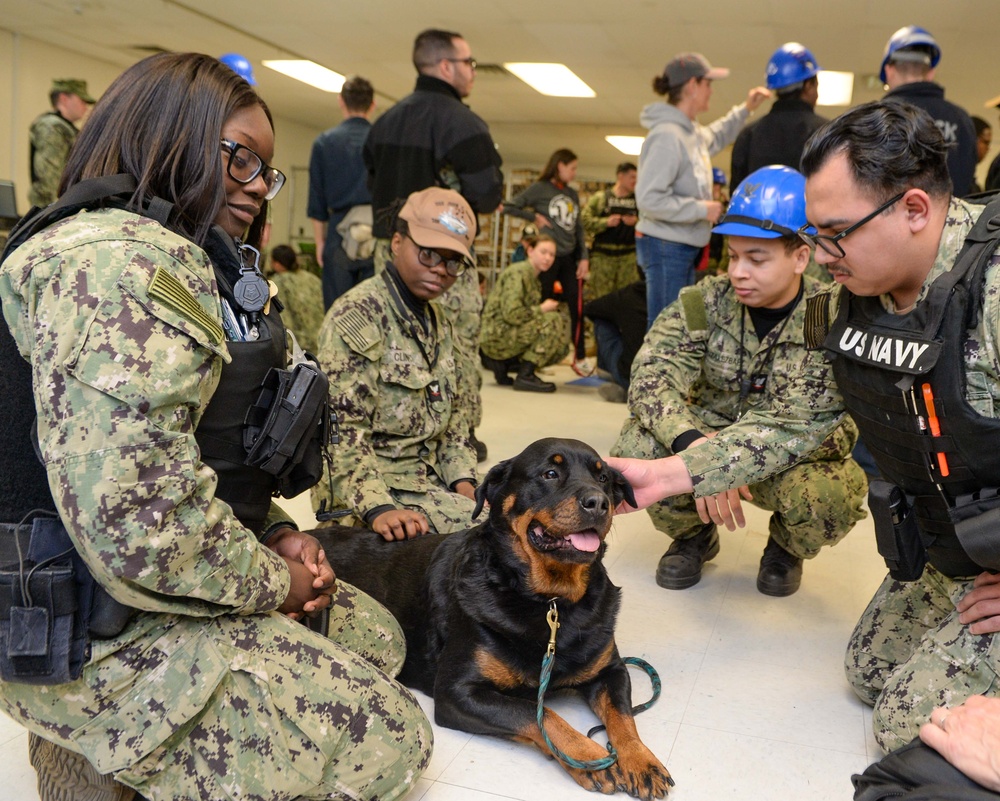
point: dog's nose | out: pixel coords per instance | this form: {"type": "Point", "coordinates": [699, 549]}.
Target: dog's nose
{"type": "Point", "coordinates": [597, 503]}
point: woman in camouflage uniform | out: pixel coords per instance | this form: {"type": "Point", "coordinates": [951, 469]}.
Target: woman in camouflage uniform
{"type": "Point", "coordinates": [211, 689]}
{"type": "Point", "coordinates": [522, 332]}
{"type": "Point", "coordinates": [404, 464]}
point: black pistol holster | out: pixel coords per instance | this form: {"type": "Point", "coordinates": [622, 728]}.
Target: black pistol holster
{"type": "Point", "coordinates": [50, 605]}
{"type": "Point", "coordinates": [286, 430]}
{"type": "Point", "coordinates": [896, 532]}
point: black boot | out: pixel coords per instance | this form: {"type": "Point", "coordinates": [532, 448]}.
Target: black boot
{"type": "Point", "coordinates": [780, 573]}
{"type": "Point", "coordinates": [478, 445]}
{"type": "Point", "coordinates": [527, 381]}
{"type": "Point", "coordinates": [499, 368]}
{"type": "Point", "coordinates": [680, 567]}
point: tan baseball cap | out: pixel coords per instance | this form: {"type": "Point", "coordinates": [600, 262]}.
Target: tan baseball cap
{"type": "Point", "coordinates": [440, 218]}
{"type": "Point", "coordinates": [72, 86]}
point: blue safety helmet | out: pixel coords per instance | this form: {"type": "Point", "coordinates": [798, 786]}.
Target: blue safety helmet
{"type": "Point", "coordinates": [718, 176]}
{"type": "Point", "coordinates": [240, 65]}
{"type": "Point", "coordinates": [906, 38]}
{"type": "Point", "coordinates": [791, 63]}
{"type": "Point", "coordinates": [768, 203]}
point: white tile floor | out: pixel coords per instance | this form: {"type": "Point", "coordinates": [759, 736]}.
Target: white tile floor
{"type": "Point", "coordinates": [754, 702]}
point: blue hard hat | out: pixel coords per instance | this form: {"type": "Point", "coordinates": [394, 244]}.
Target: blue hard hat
{"type": "Point", "coordinates": [718, 176]}
{"type": "Point", "coordinates": [907, 38]}
{"type": "Point", "coordinates": [768, 203]}
{"type": "Point", "coordinates": [240, 65]}
{"type": "Point", "coordinates": [791, 63]}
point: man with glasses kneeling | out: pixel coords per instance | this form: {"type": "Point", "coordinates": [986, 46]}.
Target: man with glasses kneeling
{"type": "Point", "coordinates": [915, 342]}
{"type": "Point", "coordinates": [404, 465]}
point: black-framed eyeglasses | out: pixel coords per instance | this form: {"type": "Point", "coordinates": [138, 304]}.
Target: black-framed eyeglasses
{"type": "Point", "coordinates": [431, 258]}
{"type": "Point", "coordinates": [831, 244]}
{"type": "Point", "coordinates": [244, 166]}
{"type": "Point", "coordinates": [470, 61]}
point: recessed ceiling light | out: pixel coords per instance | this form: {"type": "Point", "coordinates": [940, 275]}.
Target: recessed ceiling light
{"type": "Point", "coordinates": [555, 80]}
{"type": "Point", "coordinates": [835, 88]}
{"type": "Point", "coordinates": [629, 145]}
{"type": "Point", "coordinates": [308, 72]}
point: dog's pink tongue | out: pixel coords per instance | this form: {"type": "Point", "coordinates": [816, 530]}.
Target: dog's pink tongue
{"type": "Point", "coordinates": [585, 540]}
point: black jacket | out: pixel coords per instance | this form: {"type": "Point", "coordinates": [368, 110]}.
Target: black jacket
{"type": "Point", "coordinates": [776, 138]}
{"type": "Point", "coordinates": [431, 138]}
{"type": "Point", "coordinates": [955, 125]}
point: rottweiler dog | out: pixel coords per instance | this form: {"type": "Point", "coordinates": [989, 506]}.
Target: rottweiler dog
{"type": "Point", "coordinates": [473, 606]}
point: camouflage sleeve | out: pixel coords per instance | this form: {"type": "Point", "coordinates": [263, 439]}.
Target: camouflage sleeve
{"type": "Point", "coordinates": [126, 350]}
{"type": "Point", "coordinates": [354, 385]}
{"type": "Point", "coordinates": [801, 407]}
{"type": "Point", "coordinates": [456, 456]}
{"type": "Point", "coordinates": [665, 368]}
{"type": "Point", "coordinates": [594, 221]}
{"type": "Point", "coordinates": [515, 298]}
{"type": "Point", "coordinates": [52, 144]}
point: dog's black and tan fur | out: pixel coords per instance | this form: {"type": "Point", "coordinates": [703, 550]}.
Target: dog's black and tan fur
{"type": "Point", "coordinates": [473, 606]}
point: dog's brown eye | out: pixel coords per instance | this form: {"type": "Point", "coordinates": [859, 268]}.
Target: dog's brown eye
{"type": "Point", "coordinates": [602, 478]}
{"type": "Point", "coordinates": [550, 474]}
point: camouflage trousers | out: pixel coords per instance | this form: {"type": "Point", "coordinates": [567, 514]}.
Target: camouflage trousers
{"type": "Point", "coordinates": [610, 272]}
{"type": "Point", "coordinates": [255, 707]}
{"type": "Point", "coordinates": [542, 341]}
{"type": "Point", "coordinates": [463, 307]}
{"type": "Point", "coordinates": [909, 654]}
{"type": "Point", "coordinates": [814, 503]}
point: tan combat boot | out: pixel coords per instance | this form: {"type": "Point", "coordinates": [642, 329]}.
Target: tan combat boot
{"type": "Point", "coordinates": [64, 775]}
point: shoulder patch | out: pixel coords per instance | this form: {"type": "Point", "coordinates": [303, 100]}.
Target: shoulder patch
{"type": "Point", "coordinates": [360, 333]}
{"type": "Point", "coordinates": [817, 322]}
{"type": "Point", "coordinates": [166, 289]}
{"type": "Point", "coordinates": [693, 304]}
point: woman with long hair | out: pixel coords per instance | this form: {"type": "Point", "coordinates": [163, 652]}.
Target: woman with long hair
{"type": "Point", "coordinates": [554, 207]}
{"type": "Point", "coordinates": [148, 330]}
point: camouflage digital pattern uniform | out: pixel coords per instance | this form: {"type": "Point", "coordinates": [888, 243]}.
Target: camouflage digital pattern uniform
{"type": "Point", "coordinates": [514, 325]}
{"type": "Point", "coordinates": [208, 693]}
{"type": "Point", "coordinates": [612, 267]}
{"type": "Point", "coordinates": [790, 443]}
{"type": "Point", "coordinates": [51, 136]}
{"type": "Point", "coordinates": [462, 305]}
{"type": "Point", "coordinates": [909, 653]}
{"type": "Point", "coordinates": [399, 446]}
{"type": "Point", "coordinates": [301, 295]}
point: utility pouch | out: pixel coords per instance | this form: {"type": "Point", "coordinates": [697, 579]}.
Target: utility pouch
{"type": "Point", "coordinates": [285, 430]}
{"type": "Point", "coordinates": [896, 531]}
{"type": "Point", "coordinates": [50, 605]}
{"type": "Point", "coordinates": [978, 526]}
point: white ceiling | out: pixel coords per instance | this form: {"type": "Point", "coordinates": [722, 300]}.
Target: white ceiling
{"type": "Point", "coordinates": [616, 46]}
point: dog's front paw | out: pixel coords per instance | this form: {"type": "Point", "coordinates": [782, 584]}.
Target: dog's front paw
{"type": "Point", "coordinates": [636, 772]}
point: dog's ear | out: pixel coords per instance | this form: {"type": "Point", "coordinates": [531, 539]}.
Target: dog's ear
{"type": "Point", "coordinates": [620, 488]}
{"type": "Point", "coordinates": [486, 491]}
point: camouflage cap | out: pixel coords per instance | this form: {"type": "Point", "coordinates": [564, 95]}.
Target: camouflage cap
{"type": "Point", "coordinates": [440, 218]}
{"type": "Point", "coordinates": [72, 86]}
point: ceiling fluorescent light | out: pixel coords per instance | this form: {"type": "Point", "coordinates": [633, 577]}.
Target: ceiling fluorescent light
{"type": "Point", "coordinates": [835, 88]}
{"type": "Point", "coordinates": [555, 80]}
{"type": "Point", "coordinates": [629, 145]}
{"type": "Point", "coordinates": [309, 72]}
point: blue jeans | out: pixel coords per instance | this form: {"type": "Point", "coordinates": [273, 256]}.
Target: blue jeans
{"type": "Point", "coordinates": [609, 350]}
{"type": "Point", "coordinates": [668, 267]}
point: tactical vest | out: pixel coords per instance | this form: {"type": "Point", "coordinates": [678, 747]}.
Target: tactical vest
{"type": "Point", "coordinates": [248, 490]}
{"type": "Point", "coordinates": [883, 362]}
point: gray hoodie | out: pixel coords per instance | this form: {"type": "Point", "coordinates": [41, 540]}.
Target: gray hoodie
{"type": "Point", "coordinates": [675, 171]}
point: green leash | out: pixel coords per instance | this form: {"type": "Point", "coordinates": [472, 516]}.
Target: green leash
{"type": "Point", "coordinates": [543, 684]}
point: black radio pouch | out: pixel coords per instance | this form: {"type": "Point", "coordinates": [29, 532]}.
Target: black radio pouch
{"type": "Point", "coordinates": [50, 605]}
{"type": "Point", "coordinates": [286, 429]}
{"type": "Point", "coordinates": [896, 531]}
